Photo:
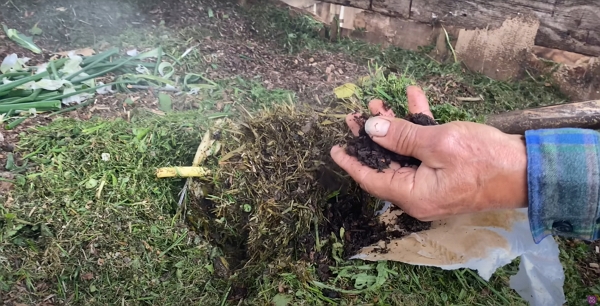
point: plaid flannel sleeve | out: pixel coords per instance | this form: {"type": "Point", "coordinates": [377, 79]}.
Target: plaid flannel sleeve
{"type": "Point", "coordinates": [563, 173]}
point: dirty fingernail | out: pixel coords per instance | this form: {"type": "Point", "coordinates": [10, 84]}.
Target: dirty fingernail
{"type": "Point", "coordinates": [377, 127]}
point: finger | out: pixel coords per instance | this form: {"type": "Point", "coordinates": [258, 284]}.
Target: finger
{"type": "Point", "coordinates": [417, 101]}
{"type": "Point", "coordinates": [388, 185]}
{"type": "Point", "coordinates": [401, 136]}
{"type": "Point", "coordinates": [378, 108]}
{"type": "Point", "coordinates": [351, 121]}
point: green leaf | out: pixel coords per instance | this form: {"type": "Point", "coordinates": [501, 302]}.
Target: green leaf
{"type": "Point", "coordinates": [151, 53]}
{"type": "Point", "coordinates": [22, 40]}
{"type": "Point", "coordinates": [164, 102]}
{"type": "Point", "coordinates": [35, 30]}
{"type": "Point", "coordinates": [91, 183]}
{"type": "Point", "coordinates": [282, 299]}
{"type": "Point", "coordinates": [210, 268]}
{"type": "Point", "coordinates": [210, 13]}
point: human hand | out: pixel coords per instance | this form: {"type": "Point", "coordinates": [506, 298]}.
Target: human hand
{"type": "Point", "coordinates": [465, 167]}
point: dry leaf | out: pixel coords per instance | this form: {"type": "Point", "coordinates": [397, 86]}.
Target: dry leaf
{"type": "Point", "coordinates": [82, 52]}
{"type": "Point", "coordinates": [345, 91]}
{"type": "Point", "coordinates": [87, 276]}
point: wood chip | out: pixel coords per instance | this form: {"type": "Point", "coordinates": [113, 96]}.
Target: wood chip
{"type": "Point", "coordinates": [594, 265]}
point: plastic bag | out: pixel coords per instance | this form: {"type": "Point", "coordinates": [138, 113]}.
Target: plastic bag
{"type": "Point", "coordinates": [484, 242]}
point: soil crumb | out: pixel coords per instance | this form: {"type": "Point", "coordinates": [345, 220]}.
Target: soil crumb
{"type": "Point", "coordinates": [371, 154]}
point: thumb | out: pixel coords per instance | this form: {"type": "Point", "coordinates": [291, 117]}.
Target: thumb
{"type": "Point", "coordinates": [400, 136]}
{"type": "Point", "coordinates": [388, 184]}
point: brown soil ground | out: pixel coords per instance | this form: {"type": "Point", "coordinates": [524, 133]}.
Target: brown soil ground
{"type": "Point", "coordinates": [233, 44]}
{"type": "Point", "coordinates": [589, 266]}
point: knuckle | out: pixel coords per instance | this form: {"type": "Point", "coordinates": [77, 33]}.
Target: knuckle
{"type": "Point", "coordinates": [405, 135]}
{"type": "Point", "coordinates": [448, 139]}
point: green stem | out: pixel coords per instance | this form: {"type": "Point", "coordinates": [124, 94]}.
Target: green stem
{"type": "Point", "coordinates": [17, 93]}
{"type": "Point", "coordinates": [40, 105]}
{"type": "Point", "coordinates": [131, 64]}
{"type": "Point", "coordinates": [54, 71]}
{"type": "Point", "coordinates": [12, 75]}
{"type": "Point", "coordinates": [72, 108]}
{"type": "Point", "coordinates": [158, 59]}
{"type": "Point", "coordinates": [9, 100]}
{"type": "Point", "coordinates": [86, 61]}
{"type": "Point", "coordinates": [15, 123]}
{"type": "Point", "coordinates": [60, 97]}
{"type": "Point", "coordinates": [100, 58]}
{"type": "Point", "coordinates": [106, 70]}
{"type": "Point", "coordinates": [33, 78]}
{"type": "Point", "coordinates": [29, 98]}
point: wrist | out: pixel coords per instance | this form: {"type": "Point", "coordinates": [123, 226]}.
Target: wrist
{"type": "Point", "coordinates": [508, 188]}
{"type": "Point", "coordinates": [520, 172]}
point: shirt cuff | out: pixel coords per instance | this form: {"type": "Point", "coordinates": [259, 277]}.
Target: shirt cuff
{"type": "Point", "coordinates": [563, 177]}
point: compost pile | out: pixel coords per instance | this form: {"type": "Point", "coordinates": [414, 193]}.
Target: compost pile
{"type": "Point", "coordinates": [278, 197]}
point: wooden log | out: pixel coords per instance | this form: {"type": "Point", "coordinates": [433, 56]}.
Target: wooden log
{"type": "Point", "coordinates": [570, 25]}
{"type": "Point", "coordinates": [570, 115]}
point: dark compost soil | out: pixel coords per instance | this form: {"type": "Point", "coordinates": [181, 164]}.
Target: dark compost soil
{"type": "Point", "coordinates": [371, 154]}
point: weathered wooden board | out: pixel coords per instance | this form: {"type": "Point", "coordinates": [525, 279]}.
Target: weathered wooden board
{"type": "Point", "coordinates": [574, 26]}
{"type": "Point", "coordinates": [396, 8]}
{"type": "Point", "coordinates": [570, 25]}
{"type": "Point", "coordinates": [478, 13]}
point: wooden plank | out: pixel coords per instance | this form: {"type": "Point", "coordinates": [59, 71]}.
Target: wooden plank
{"type": "Point", "coordinates": [400, 32]}
{"type": "Point", "coordinates": [574, 26]}
{"type": "Point", "coordinates": [570, 25]}
{"type": "Point", "coordinates": [395, 8]}
{"type": "Point", "coordinates": [498, 52]}
{"type": "Point", "coordinates": [477, 13]}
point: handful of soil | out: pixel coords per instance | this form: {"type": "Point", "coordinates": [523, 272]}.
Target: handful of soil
{"type": "Point", "coordinates": [371, 154]}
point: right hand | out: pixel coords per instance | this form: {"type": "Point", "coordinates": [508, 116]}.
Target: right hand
{"type": "Point", "coordinates": [466, 167]}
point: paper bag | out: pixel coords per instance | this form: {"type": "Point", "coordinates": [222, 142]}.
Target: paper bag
{"type": "Point", "coordinates": [484, 242]}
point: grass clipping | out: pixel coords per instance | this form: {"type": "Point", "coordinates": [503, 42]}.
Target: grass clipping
{"type": "Point", "coordinates": [272, 186]}
{"type": "Point", "coordinates": [268, 188]}
{"type": "Point", "coordinates": [277, 195]}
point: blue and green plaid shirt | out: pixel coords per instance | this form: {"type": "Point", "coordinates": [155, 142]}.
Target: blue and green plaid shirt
{"type": "Point", "coordinates": [563, 170]}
